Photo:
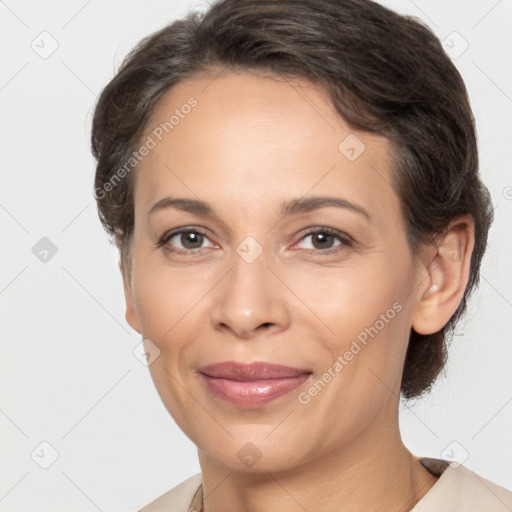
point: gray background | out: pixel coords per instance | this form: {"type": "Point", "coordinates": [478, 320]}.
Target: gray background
{"type": "Point", "coordinates": [69, 378]}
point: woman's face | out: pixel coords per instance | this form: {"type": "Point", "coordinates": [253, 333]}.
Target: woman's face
{"type": "Point", "coordinates": [265, 273]}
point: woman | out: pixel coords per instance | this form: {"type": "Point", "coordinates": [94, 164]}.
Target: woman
{"type": "Point", "coordinates": [293, 187]}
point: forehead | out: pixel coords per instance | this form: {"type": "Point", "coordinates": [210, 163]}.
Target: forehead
{"type": "Point", "coordinates": [252, 139]}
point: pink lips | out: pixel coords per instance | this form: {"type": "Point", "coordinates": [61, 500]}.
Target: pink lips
{"type": "Point", "coordinates": [251, 385]}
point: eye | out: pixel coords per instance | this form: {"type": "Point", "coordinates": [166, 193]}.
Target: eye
{"type": "Point", "coordinates": [185, 240]}
{"type": "Point", "coordinates": [325, 240]}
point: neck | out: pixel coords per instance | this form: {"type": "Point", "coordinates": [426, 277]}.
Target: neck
{"type": "Point", "coordinates": [374, 472]}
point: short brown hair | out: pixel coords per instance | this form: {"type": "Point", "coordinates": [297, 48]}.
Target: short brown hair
{"type": "Point", "coordinates": [385, 73]}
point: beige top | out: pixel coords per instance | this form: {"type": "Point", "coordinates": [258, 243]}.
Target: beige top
{"type": "Point", "coordinates": [457, 490]}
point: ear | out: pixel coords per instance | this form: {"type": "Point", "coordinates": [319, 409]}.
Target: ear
{"type": "Point", "coordinates": [447, 273]}
{"type": "Point", "coordinates": [130, 312]}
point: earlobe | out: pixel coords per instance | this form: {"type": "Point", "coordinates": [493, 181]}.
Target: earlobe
{"type": "Point", "coordinates": [130, 313]}
{"type": "Point", "coordinates": [442, 290]}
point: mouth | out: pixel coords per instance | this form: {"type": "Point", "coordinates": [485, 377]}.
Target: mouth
{"type": "Point", "coordinates": [251, 385]}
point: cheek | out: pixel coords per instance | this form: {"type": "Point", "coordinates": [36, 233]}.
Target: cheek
{"type": "Point", "coordinates": [363, 311]}
{"type": "Point", "coordinates": [163, 298]}
{"type": "Point", "coordinates": [164, 301]}
{"type": "Point", "coordinates": [349, 297]}
{"type": "Point", "coordinates": [170, 306]}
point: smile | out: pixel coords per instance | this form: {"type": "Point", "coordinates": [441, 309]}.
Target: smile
{"type": "Point", "coordinates": [251, 385]}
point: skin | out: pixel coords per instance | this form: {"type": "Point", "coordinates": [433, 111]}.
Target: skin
{"type": "Point", "coordinates": [251, 143]}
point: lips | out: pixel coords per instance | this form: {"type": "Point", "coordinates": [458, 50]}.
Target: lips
{"type": "Point", "coordinates": [251, 385]}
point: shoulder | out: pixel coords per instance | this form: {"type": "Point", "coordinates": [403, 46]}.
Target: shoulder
{"type": "Point", "coordinates": [178, 499]}
{"type": "Point", "coordinates": [460, 489]}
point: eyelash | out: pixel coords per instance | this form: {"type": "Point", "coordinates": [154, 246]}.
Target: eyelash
{"type": "Point", "coordinates": [344, 239]}
{"type": "Point", "coordinates": [162, 243]}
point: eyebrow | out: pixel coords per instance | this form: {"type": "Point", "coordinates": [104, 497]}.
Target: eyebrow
{"type": "Point", "coordinates": [288, 208]}
{"type": "Point", "coordinates": [314, 203]}
{"type": "Point", "coordinates": [185, 205]}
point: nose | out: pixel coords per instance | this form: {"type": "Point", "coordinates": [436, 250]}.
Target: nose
{"type": "Point", "coordinates": [250, 300]}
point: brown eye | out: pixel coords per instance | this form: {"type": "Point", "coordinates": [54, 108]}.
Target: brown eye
{"type": "Point", "coordinates": [322, 240]}
{"type": "Point", "coordinates": [185, 241]}
{"type": "Point", "coordinates": [191, 240]}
